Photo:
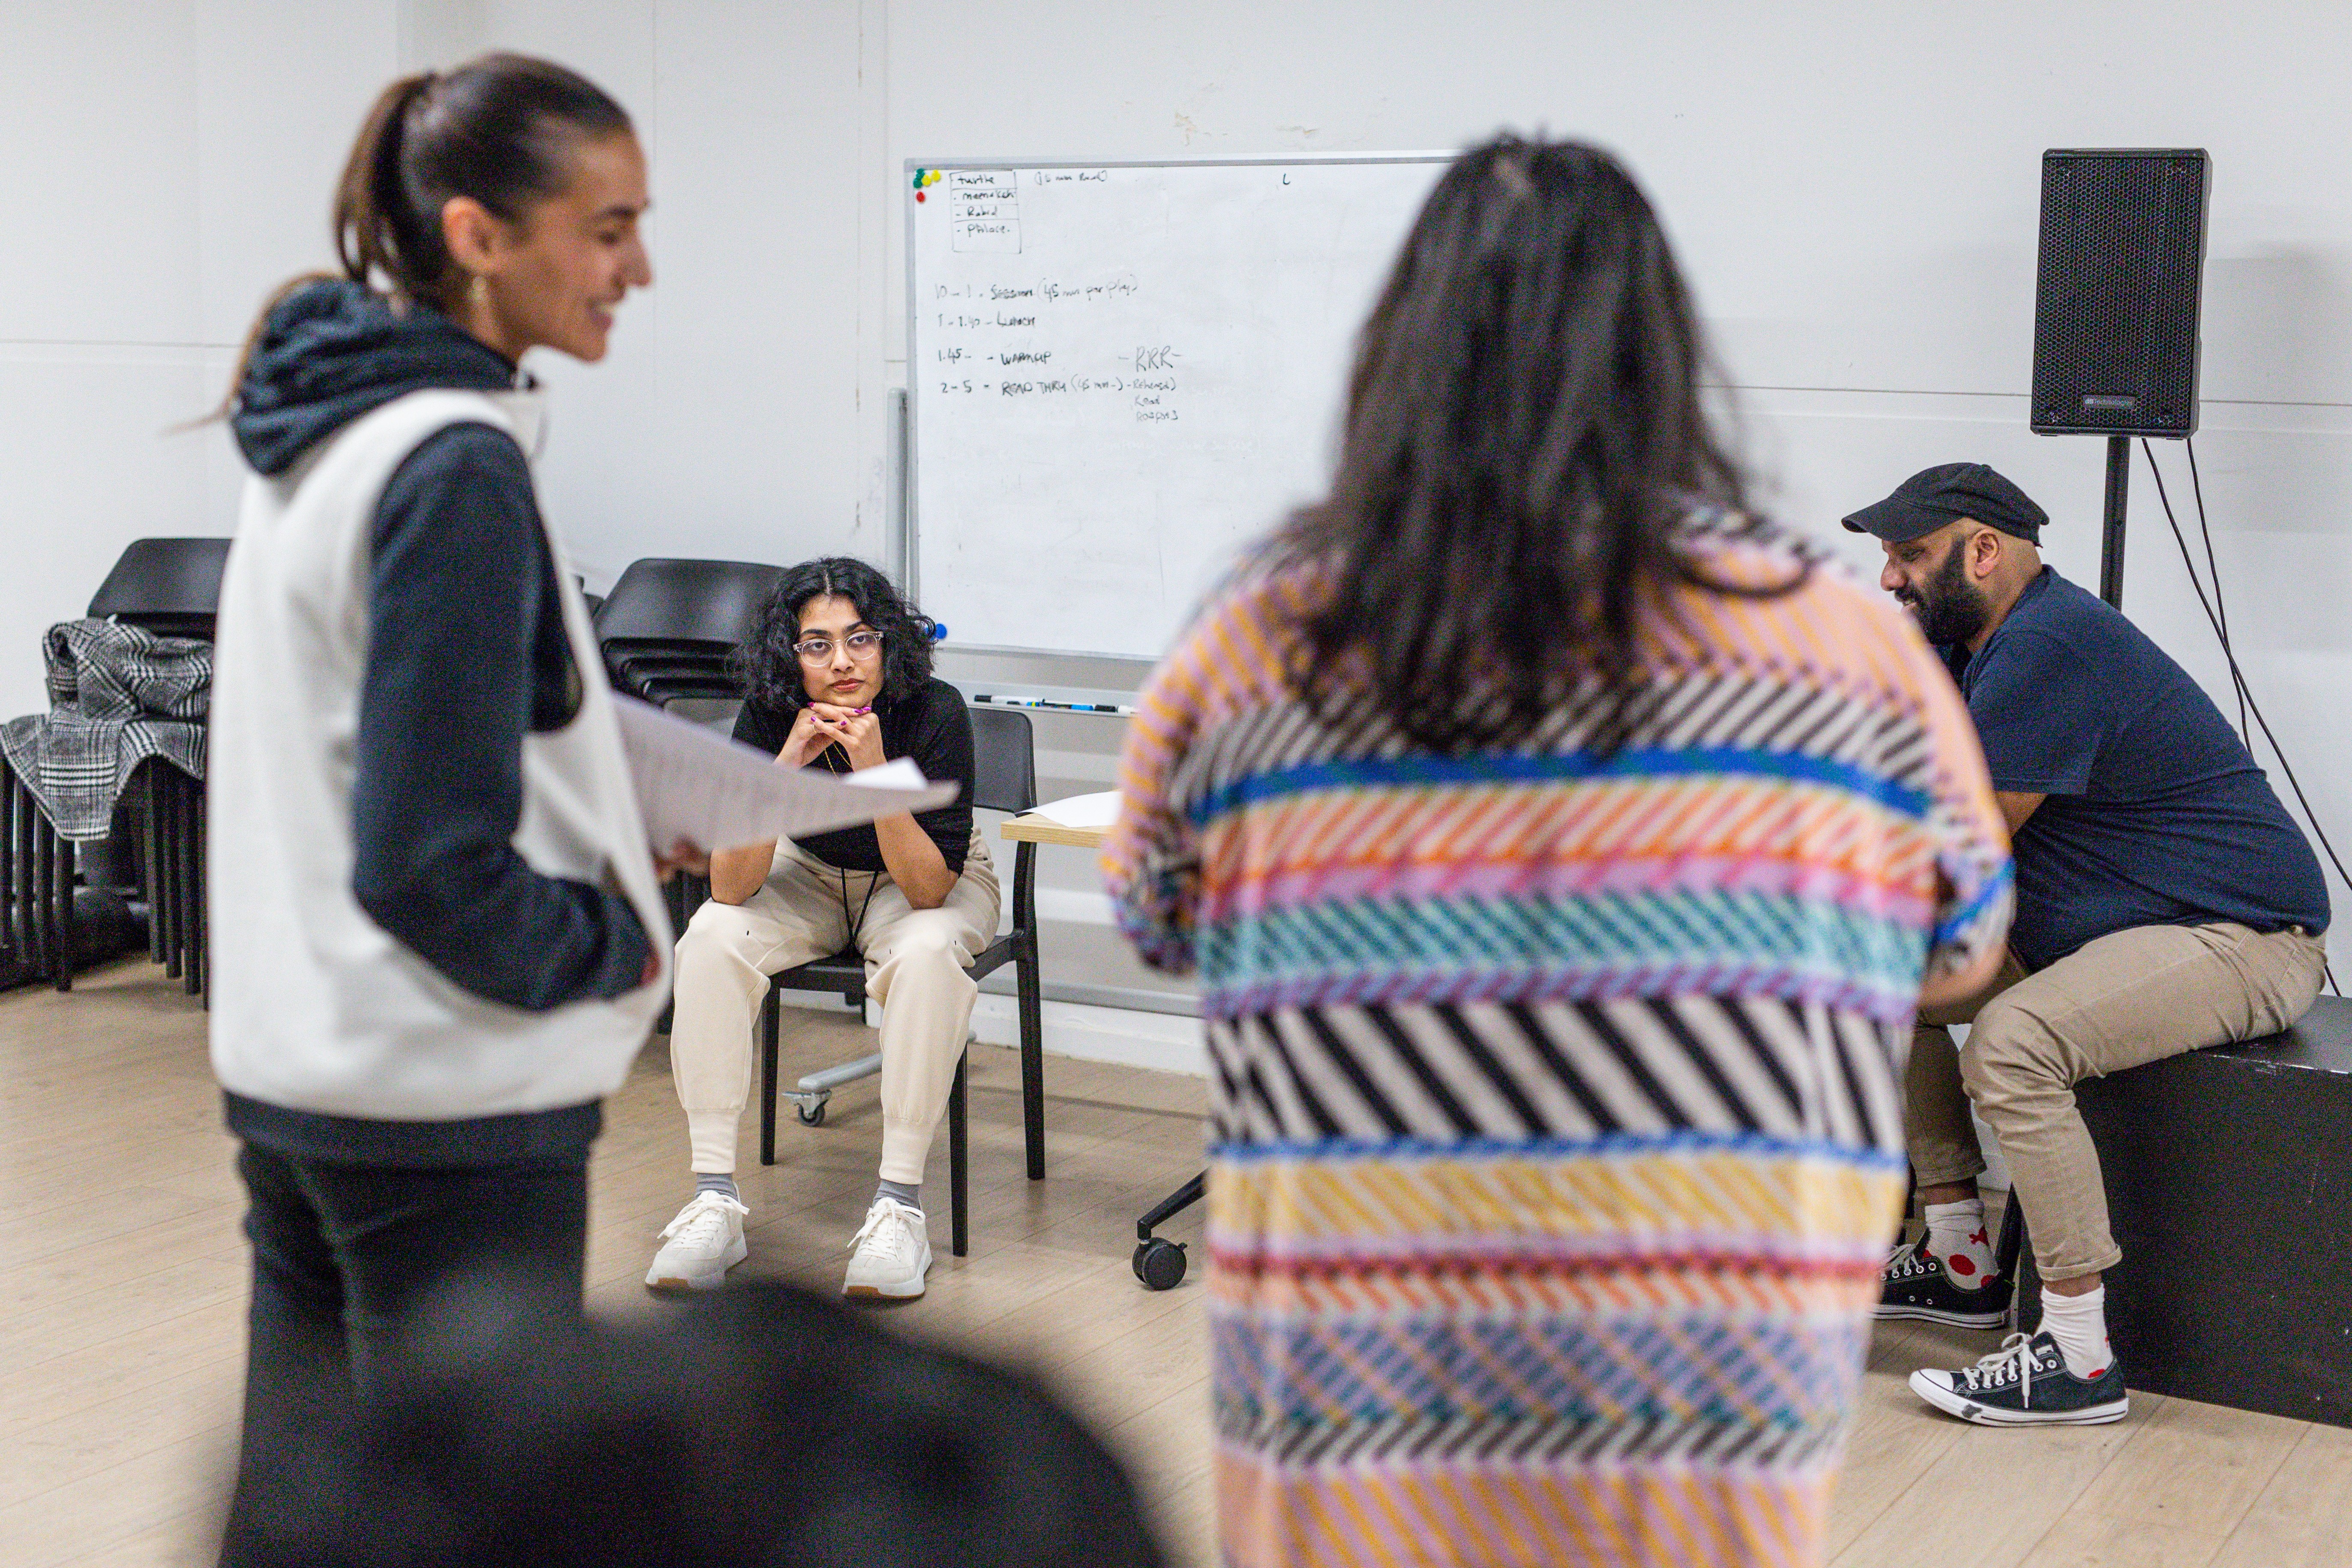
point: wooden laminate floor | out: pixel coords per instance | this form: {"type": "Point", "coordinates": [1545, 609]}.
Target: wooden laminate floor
{"type": "Point", "coordinates": [122, 1283]}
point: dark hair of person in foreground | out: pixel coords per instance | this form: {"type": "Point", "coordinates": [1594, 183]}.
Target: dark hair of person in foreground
{"type": "Point", "coordinates": [760, 1425]}
{"type": "Point", "coordinates": [1523, 430]}
{"type": "Point", "coordinates": [771, 669]}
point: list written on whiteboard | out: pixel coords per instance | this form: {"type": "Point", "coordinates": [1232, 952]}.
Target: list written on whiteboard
{"type": "Point", "coordinates": [1033, 341]}
{"type": "Point", "coordinates": [985, 210]}
{"type": "Point", "coordinates": [699, 788]}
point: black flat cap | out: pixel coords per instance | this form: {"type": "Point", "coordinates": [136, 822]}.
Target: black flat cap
{"type": "Point", "coordinates": [1934, 496]}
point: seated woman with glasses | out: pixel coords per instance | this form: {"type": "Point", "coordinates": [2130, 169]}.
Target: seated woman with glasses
{"type": "Point", "coordinates": [837, 676]}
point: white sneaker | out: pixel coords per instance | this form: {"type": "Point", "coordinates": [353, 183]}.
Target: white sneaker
{"type": "Point", "coordinates": [890, 1254]}
{"type": "Point", "coordinates": [700, 1244]}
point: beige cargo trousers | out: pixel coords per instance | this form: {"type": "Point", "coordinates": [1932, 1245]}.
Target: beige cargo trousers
{"type": "Point", "coordinates": [2133, 996]}
{"type": "Point", "coordinates": [915, 968]}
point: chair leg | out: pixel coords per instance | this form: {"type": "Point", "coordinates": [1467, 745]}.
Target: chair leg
{"type": "Point", "coordinates": [66, 861]}
{"type": "Point", "coordinates": [201, 835]}
{"type": "Point", "coordinates": [167, 867]}
{"type": "Point", "coordinates": [28, 918]}
{"type": "Point", "coordinates": [1028, 985]}
{"type": "Point", "coordinates": [192, 894]}
{"type": "Point", "coordinates": [151, 856]}
{"type": "Point", "coordinates": [8, 939]}
{"type": "Point", "coordinates": [959, 1157]}
{"type": "Point", "coordinates": [770, 1026]}
{"type": "Point", "coordinates": [44, 888]}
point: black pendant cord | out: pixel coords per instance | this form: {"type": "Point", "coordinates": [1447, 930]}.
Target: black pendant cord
{"type": "Point", "coordinates": [857, 921]}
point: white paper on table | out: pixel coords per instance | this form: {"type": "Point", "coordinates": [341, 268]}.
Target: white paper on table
{"type": "Point", "coordinates": [700, 786]}
{"type": "Point", "coordinates": [1081, 810]}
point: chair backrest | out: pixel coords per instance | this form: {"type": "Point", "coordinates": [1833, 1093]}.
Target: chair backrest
{"type": "Point", "coordinates": [1004, 761]}
{"type": "Point", "coordinates": [712, 603]}
{"type": "Point", "coordinates": [175, 578]}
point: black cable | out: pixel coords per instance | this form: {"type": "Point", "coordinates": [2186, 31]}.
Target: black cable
{"type": "Point", "coordinates": [2212, 572]}
{"type": "Point", "coordinates": [2238, 679]}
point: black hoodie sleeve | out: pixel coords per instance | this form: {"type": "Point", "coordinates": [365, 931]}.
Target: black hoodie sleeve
{"type": "Point", "coordinates": [461, 578]}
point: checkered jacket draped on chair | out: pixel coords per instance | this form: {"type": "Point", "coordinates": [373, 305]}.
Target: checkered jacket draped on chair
{"type": "Point", "coordinates": [118, 695]}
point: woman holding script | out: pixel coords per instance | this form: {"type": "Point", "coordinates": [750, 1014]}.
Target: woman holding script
{"type": "Point", "coordinates": [438, 941]}
{"type": "Point", "coordinates": [1563, 850]}
{"type": "Point", "coordinates": [837, 676]}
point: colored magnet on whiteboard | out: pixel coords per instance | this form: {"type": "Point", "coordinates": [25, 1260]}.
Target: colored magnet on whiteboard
{"type": "Point", "coordinates": [918, 196]}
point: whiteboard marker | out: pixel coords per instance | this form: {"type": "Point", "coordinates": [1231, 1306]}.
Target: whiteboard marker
{"type": "Point", "coordinates": [1047, 702]}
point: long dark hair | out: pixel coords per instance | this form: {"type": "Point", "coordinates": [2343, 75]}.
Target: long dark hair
{"type": "Point", "coordinates": [496, 129]}
{"type": "Point", "coordinates": [1523, 435]}
{"type": "Point", "coordinates": [770, 668]}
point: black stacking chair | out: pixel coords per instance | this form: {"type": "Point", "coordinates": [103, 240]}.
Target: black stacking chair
{"type": "Point", "coordinates": [170, 587]}
{"type": "Point", "coordinates": [173, 857]}
{"type": "Point", "coordinates": [669, 628]}
{"type": "Point", "coordinates": [37, 882]}
{"type": "Point", "coordinates": [668, 631]}
{"type": "Point", "coordinates": [1006, 779]}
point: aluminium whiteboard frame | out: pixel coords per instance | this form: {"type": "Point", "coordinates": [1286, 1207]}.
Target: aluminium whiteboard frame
{"type": "Point", "coordinates": [910, 519]}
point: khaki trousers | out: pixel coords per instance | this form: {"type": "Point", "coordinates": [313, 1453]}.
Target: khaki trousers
{"type": "Point", "coordinates": [2134, 996]}
{"type": "Point", "coordinates": [915, 963]}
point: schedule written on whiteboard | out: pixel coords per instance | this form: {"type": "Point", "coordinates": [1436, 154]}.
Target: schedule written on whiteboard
{"type": "Point", "coordinates": [1122, 376]}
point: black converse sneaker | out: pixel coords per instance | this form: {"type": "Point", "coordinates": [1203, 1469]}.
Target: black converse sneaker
{"type": "Point", "coordinates": [1915, 1283]}
{"type": "Point", "coordinates": [2025, 1384]}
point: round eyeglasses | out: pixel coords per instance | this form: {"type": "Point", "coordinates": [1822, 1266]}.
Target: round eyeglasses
{"type": "Point", "coordinates": [817, 650]}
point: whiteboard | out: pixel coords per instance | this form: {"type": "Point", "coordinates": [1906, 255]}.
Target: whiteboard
{"type": "Point", "coordinates": [1120, 374]}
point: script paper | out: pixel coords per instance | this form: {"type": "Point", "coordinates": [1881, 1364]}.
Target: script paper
{"type": "Point", "coordinates": [1082, 810]}
{"type": "Point", "coordinates": [700, 787]}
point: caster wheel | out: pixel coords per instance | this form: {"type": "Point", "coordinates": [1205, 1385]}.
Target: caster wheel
{"type": "Point", "coordinates": [811, 1115]}
{"type": "Point", "coordinates": [1160, 1264]}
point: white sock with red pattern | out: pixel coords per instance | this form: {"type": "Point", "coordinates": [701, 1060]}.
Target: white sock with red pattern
{"type": "Point", "coordinates": [1956, 1233]}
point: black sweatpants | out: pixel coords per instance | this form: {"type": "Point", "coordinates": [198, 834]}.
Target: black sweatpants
{"type": "Point", "coordinates": [356, 1266]}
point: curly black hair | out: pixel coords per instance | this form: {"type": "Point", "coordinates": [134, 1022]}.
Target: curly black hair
{"type": "Point", "coordinates": [771, 669]}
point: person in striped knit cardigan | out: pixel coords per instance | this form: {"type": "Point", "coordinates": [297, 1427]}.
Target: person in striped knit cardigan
{"type": "Point", "coordinates": [1563, 852]}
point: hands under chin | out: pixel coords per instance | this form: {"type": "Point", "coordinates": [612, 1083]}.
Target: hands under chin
{"type": "Point", "coordinates": [856, 731]}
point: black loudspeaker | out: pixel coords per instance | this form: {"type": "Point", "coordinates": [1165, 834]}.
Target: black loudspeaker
{"type": "Point", "coordinates": [2114, 309]}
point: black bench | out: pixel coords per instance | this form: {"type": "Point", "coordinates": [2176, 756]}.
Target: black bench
{"type": "Point", "coordinates": [2229, 1176]}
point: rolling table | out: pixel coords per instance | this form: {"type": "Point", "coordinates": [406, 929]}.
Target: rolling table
{"type": "Point", "coordinates": [1158, 1262]}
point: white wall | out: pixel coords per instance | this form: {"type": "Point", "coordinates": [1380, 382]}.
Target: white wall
{"type": "Point", "coordinates": [1853, 188]}
{"type": "Point", "coordinates": [726, 420]}
{"type": "Point", "coordinates": [169, 162]}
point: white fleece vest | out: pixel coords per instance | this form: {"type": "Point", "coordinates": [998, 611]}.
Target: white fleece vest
{"type": "Point", "coordinates": [316, 1007]}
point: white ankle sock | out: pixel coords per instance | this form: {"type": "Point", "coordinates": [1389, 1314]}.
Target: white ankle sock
{"type": "Point", "coordinates": [2079, 1324]}
{"type": "Point", "coordinates": [1956, 1233]}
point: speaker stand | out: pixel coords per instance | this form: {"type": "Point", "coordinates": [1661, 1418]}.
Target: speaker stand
{"type": "Point", "coordinates": [2111, 539]}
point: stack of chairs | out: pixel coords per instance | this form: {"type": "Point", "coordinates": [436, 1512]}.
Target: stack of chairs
{"type": "Point", "coordinates": [668, 631]}
{"type": "Point", "coordinates": [171, 588]}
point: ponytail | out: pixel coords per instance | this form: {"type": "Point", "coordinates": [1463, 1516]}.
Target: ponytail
{"type": "Point", "coordinates": [378, 231]}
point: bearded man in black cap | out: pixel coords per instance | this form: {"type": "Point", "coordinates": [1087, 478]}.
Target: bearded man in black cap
{"type": "Point", "coordinates": [2165, 902]}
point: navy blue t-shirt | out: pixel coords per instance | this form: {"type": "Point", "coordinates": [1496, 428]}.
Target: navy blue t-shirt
{"type": "Point", "coordinates": [2156, 814]}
